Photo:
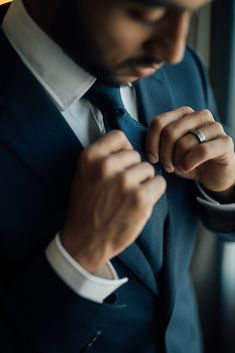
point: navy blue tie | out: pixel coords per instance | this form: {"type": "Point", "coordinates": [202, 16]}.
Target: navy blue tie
{"type": "Point", "coordinates": [109, 101]}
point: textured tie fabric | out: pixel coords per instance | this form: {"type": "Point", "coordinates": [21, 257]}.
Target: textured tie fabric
{"type": "Point", "coordinates": [108, 100]}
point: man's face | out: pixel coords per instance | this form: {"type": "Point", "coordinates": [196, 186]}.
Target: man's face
{"type": "Point", "coordinates": [120, 41]}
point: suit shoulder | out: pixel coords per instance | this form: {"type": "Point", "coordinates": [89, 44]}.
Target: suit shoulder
{"type": "Point", "coordinates": [191, 65]}
{"type": "Point", "coordinates": [189, 75]}
{"type": "Point", "coordinates": [187, 81]}
{"type": "Point", "coordinates": [192, 58]}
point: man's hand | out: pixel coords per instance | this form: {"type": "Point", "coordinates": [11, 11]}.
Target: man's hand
{"type": "Point", "coordinates": [211, 163]}
{"type": "Point", "coordinates": [111, 199]}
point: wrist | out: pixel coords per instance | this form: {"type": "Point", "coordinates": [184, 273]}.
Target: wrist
{"type": "Point", "coordinates": [224, 197]}
{"type": "Point", "coordinates": [87, 257]}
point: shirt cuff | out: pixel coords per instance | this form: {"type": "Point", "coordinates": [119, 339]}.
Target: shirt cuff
{"type": "Point", "coordinates": [207, 200]}
{"type": "Point", "coordinates": [93, 287]}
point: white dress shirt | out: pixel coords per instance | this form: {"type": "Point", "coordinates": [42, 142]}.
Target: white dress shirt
{"type": "Point", "coordinates": [66, 83]}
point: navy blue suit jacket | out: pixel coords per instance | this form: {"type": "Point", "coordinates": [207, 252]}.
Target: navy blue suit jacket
{"type": "Point", "coordinates": [38, 153]}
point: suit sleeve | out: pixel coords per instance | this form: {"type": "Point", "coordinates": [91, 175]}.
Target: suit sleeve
{"type": "Point", "coordinates": [39, 313]}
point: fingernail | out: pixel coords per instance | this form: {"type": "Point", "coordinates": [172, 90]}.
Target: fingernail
{"type": "Point", "coordinates": [152, 159]}
{"type": "Point", "coordinates": [169, 168]}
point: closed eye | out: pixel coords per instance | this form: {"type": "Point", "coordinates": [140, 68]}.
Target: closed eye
{"type": "Point", "coordinates": [151, 17]}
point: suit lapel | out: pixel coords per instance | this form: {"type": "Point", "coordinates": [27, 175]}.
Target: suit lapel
{"type": "Point", "coordinates": [134, 258]}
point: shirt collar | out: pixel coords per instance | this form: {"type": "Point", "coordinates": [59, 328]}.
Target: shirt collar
{"type": "Point", "coordinates": [64, 80]}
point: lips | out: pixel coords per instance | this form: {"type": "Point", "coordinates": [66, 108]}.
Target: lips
{"type": "Point", "coordinates": [144, 71]}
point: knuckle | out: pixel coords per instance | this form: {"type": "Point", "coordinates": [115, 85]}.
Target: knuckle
{"type": "Point", "coordinates": [169, 133]}
{"type": "Point", "coordinates": [123, 181]}
{"type": "Point", "coordinates": [158, 122]}
{"type": "Point", "coordinates": [104, 168]}
{"type": "Point", "coordinates": [137, 156]}
{"type": "Point", "coordinates": [181, 145]}
{"type": "Point", "coordinates": [162, 184]}
{"type": "Point", "coordinates": [229, 140]}
{"type": "Point", "coordinates": [138, 198]}
{"type": "Point", "coordinates": [150, 168]}
{"type": "Point", "coordinates": [118, 134]}
{"type": "Point", "coordinates": [219, 126]}
{"type": "Point", "coordinates": [186, 109]}
{"type": "Point", "coordinates": [86, 157]}
{"type": "Point", "coordinates": [207, 113]}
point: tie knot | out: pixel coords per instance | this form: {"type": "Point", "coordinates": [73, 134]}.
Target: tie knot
{"type": "Point", "coordinates": [107, 99]}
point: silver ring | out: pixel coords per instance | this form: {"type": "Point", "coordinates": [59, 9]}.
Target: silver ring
{"type": "Point", "coordinates": [199, 135]}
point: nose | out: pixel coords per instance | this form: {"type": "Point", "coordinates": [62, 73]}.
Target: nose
{"type": "Point", "coordinates": [168, 40]}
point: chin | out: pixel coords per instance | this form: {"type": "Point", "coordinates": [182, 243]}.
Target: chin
{"type": "Point", "coordinates": [120, 80]}
{"type": "Point", "coordinates": [127, 79]}
{"type": "Point", "coordinates": [116, 81]}
{"type": "Point", "coordinates": [115, 78]}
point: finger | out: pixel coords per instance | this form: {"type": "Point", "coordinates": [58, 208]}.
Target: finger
{"type": "Point", "coordinates": [154, 188]}
{"type": "Point", "coordinates": [220, 149]}
{"type": "Point", "coordinates": [187, 142]}
{"type": "Point", "coordinates": [117, 162]}
{"type": "Point", "coordinates": [112, 142]}
{"type": "Point", "coordinates": [156, 127]}
{"type": "Point", "coordinates": [176, 130]}
{"type": "Point", "coordinates": [136, 175]}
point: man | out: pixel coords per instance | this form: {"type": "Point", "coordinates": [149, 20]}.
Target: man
{"type": "Point", "coordinates": [84, 265]}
